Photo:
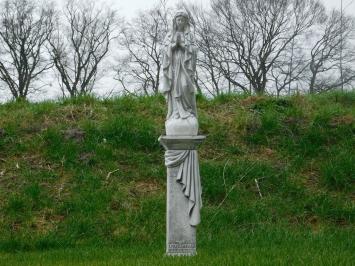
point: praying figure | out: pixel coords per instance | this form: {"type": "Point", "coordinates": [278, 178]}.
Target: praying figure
{"type": "Point", "coordinates": [179, 67]}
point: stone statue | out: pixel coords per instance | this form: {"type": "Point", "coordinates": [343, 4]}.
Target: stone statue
{"type": "Point", "coordinates": [181, 140]}
{"type": "Point", "coordinates": [179, 67]}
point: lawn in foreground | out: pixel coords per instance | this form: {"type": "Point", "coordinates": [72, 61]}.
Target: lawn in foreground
{"type": "Point", "coordinates": [250, 247]}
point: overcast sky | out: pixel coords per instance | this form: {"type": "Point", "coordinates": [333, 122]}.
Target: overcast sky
{"type": "Point", "coordinates": [128, 8]}
{"type": "Point", "coordinates": [348, 5]}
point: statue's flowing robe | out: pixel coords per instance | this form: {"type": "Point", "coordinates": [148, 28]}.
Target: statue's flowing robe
{"type": "Point", "coordinates": [177, 84]}
{"type": "Point", "coordinates": [179, 66]}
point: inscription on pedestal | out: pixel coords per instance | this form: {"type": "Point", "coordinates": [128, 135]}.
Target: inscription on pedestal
{"type": "Point", "coordinates": [181, 248]}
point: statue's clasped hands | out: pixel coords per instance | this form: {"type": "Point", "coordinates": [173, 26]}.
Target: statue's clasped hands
{"type": "Point", "coordinates": [179, 42]}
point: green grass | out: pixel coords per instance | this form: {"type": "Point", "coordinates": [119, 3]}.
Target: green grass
{"type": "Point", "coordinates": [263, 246]}
{"type": "Point", "coordinates": [85, 178]}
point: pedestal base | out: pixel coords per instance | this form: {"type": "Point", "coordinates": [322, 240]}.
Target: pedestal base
{"type": "Point", "coordinates": [180, 234]}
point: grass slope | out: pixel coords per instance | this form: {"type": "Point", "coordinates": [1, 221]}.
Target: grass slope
{"type": "Point", "coordinates": [85, 175]}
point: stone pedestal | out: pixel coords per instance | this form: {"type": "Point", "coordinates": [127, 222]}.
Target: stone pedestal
{"type": "Point", "coordinates": [180, 234]}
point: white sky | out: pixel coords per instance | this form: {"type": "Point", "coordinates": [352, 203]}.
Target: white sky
{"type": "Point", "coordinates": [348, 5]}
{"type": "Point", "coordinates": [128, 8]}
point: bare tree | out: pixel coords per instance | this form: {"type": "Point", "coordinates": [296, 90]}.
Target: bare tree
{"type": "Point", "coordinates": [210, 76]}
{"type": "Point", "coordinates": [80, 43]}
{"type": "Point", "coordinates": [138, 68]}
{"type": "Point", "coordinates": [24, 30]}
{"type": "Point", "coordinates": [289, 71]}
{"type": "Point", "coordinates": [332, 43]}
{"type": "Point", "coordinates": [255, 33]}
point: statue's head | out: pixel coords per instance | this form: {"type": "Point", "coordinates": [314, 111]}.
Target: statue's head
{"type": "Point", "coordinates": [181, 21]}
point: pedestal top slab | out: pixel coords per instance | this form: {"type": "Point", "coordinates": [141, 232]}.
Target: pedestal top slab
{"type": "Point", "coordinates": [181, 142]}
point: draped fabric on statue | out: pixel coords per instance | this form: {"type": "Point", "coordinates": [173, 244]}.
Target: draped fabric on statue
{"type": "Point", "coordinates": [189, 177]}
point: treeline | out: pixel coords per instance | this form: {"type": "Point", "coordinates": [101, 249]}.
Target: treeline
{"type": "Point", "coordinates": [255, 46]}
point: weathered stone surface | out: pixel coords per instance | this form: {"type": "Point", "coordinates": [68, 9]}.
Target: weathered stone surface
{"type": "Point", "coordinates": [181, 140]}
{"type": "Point", "coordinates": [183, 194]}
{"type": "Point", "coordinates": [177, 81]}
{"type": "Point", "coordinates": [182, 127]}
{"type": "Point", "coordinates": [180, 235]}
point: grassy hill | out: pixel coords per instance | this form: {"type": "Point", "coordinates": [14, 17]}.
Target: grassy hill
{"type": "Point", "coordinates": [84, 179]}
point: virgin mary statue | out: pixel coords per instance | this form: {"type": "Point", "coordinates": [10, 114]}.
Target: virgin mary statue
{"type": "Point", "coordinates": [179, 66]}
